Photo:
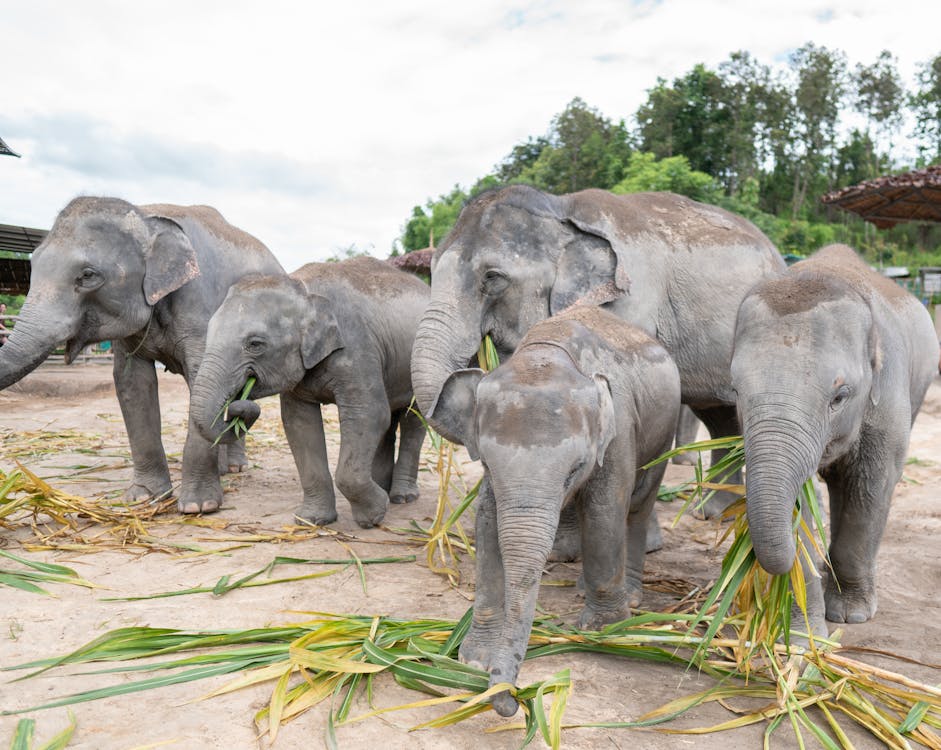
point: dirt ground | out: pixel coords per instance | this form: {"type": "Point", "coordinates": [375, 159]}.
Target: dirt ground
{"type": "Point", "coordinates": [81, 398]}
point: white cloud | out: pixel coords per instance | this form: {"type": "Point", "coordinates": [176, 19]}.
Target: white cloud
{"type": "Point", "coordinates": [319, 125]}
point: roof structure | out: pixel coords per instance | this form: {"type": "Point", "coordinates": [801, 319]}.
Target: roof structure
{"type": "Point", "coordinates": [14, 271]}
{"type": "Point", "coordinates": [5, 150]}
{"type": "Point", "coordinates": [887, 201]}
{"type": "Point", "coordinates": [417, 261]}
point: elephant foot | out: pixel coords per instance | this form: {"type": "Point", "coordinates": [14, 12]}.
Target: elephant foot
{"type": "Point", "coordinates": [478, 647]}
{"type": "Point", "coordinates": [189, 507]}
{"type": "Point", "coordinates": [403, 492]}
{"type": "Point", "coordinates": [592, 618]}
{"type": "Point", "coordinates": [142, 489]}
{"type": "Point", "coordinates": [635, 593]}
{"type": "Point", "coordinates": [368, 515]}
{"type": "Point", "coordinates": [850, 604]}
{"type": "Point", "coordinates": [654, 538]}
{"type": "Point", "coordinates": [317, 512]}
{"type": "Point", "coordinates": [232, 459]}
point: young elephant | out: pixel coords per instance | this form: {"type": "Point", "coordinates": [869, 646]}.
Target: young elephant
{"type": "Point", "coordinates": [328, 333]}
{"type": "Point", "coordinates": [570, 418]}
{"type": "Point", "coordinates": [831, 362]}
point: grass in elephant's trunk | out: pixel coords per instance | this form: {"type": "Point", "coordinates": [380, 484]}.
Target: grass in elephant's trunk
{"type": "Point", "coordinates": [238, 424]}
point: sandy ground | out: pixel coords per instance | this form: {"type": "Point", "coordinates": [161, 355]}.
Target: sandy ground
{"type": "Point", "coordinates": [605, 689]}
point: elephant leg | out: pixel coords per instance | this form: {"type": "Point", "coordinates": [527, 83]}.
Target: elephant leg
{"type": "Point", "coordinates": [653, 538]}
{"type": "Point", "coordinates": [303, 427]}
{"type": "Point", "coordinates": [642, 515]}
{"type": "Point", "coordinates": [859, 509]}
{"type": "Point", "coordinates": [135, 381]}
{"type": "Point", "coordinates": [384, 461]}
{"type": "Point", "coordinates": [721, 421]}
{"type": "Point", "coordinates": [483, 636]}
{"type": "Point", "coordinates": [364, 422]}
{"type": "Point", "coordinates": [201, 490]}
{"type": "Point", "coordinates": [232, 458]}
{"type": "Point", "coordinates": [687, 427]}
{"type": "Point", "coordinates": [405, 476]}
{"type": "Point", "coordinates": [568, 543]}
{"type": "Point", "coordinates": [603, 520]}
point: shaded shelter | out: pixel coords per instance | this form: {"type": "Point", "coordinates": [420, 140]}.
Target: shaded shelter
{"type": "Point", "coordinates": [16, 245]}
{"type": "Point", "coordinates": [886, 201]}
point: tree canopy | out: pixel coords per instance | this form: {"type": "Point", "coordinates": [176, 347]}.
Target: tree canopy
{"type": "Point", "coordinates": [764, 142]}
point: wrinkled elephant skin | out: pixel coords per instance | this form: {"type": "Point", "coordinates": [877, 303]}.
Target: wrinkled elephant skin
{"type": "Point", "coordinates": [330, 333]}
{"type": "Point", "coordinates": [147, 278]}
{"type": "Point", "coordinates": [831, 364]}
{"type": "Point", "coordinates": [675, 268]}
{"type": "Point", "coordinates": [567, 422]}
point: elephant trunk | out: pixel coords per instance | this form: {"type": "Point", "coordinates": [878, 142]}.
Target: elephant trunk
{"type": "Point", "coordinates": [527, 519]}
{"type": "Point", "coordinates": [781, 453]}
{"type": "Point", "coordinates": [38, 331]}
{"type": "Point", "coordinates": [446, 341]}
{"type": "Point", "coordinates": [211, 389]}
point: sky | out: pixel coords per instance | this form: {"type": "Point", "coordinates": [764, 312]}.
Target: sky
{"type": "Point", "coordinates": [318, 126]}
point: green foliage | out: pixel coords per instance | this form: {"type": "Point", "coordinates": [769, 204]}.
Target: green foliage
{"type": "Point", "coordinates": [765, 143]}
{"type": "Point", "coordinates": [644, 172]}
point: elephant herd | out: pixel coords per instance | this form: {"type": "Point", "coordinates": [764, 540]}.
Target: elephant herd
{"type": "Point", "coordinates": [615, 309]}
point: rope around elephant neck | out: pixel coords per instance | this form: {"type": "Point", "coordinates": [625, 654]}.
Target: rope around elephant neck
{"type": "Point", "coordinates": [128, 355]}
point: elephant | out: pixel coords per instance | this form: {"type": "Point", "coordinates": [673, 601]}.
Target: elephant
{"type": "Point", "coordinates": [687, 427]}
{"type": "Point", "coordinates": [676, 268]}
{"type": "Point", "coordinates": [830, 364]}
{"type": "Point", "coordinates": [148, 278]}
{"type": "Point", "coordinates": [328, 333]}
{"type": "Point", "coordinates": [569, 421]}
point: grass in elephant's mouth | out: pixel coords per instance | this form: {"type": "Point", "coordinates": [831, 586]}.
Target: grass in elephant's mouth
{"type": "Point", "coordinates": [237, 425]}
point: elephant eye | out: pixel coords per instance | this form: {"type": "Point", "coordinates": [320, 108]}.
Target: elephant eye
{"type": "Point", "coordinates": [839, 398]}
{"type": "Point", "coordinates": [570, 479]}
{"type": "Point", "coordinates": [255, 345]}
{"type": "Point", "coordinates": [495, 282]}
{"type": "Point", "coordinates": [88, 278]}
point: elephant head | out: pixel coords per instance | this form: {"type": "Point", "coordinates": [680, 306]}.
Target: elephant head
{"type": "Point", "coordinates": [541, 428]}
{"type": "Point", "coordinates": [269, 328]}
{"type": "Point", "coordinates": [806, 368]}
{"type": "Point", "coordinates": [96, 276]}
{"type": "Point", "coordinates": [515, 257]}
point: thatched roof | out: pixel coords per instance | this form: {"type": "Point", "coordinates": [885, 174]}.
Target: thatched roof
{"type": "Point", "coordinates": [886, 201]}
{"type": "Point", "coordinates": [417, 261]}
{"type": "Point", "coordinates": [5, 150]}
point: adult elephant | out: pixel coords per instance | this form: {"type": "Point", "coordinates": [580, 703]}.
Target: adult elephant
{"type": "Point", "coordinates": [148, 278]}
{"type": "Point", "coordinates": [676, 268]}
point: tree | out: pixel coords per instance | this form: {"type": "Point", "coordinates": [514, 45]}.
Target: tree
{"type": "Point", "coordinates": [433, 221]}
{"type": "Point", "coordinates": [926, 103]}
{"type": "Point", "coordinates": [646, 172]}
{"type": "Point", "coordinates": [818, 97]}
{"type": "Point", "coordinates": [522, 157]}
{"type": "Point", "coordinates": [879, 97]}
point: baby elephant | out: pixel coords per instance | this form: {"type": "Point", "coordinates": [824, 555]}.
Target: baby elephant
{"type": "Point", "coordinates": [831, 362]}
{"type": "Point", "coordinates": [329, 333]}
{"type": "Point", "coordinates": [585, 401]}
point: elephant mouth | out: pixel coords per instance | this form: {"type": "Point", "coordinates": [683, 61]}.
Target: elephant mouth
{"type": "Point", "coordinates": [73, 347]}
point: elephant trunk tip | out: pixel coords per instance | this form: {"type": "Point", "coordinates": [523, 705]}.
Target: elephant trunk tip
{"type": "Point", "coordinates": [778, 561]}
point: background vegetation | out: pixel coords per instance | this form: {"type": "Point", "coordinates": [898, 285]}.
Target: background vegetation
{"type": "Point", "coordinates": [765, 143]}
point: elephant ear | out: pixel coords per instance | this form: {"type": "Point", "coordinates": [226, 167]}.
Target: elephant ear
{"type": "Point", "coordinates": [875, 360]}
{"type": "Point", "coordinates": [170, 260]}
{"type": "Point", "coordinates": [607, 425]}
{"type": "Point", "coordinates": [589, 270]}
{"type": "Point", "coordinates": [457, 407]}
{"type": "Point", "coordinates": [320, 333]}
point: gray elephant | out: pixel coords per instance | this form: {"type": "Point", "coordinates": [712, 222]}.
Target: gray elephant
{"type": "Point", "coordinates": [568, 421]}
{"type": "Point", "coordinates": [148, 278]}
{"type": "Point", "coordinates": [675, 268]}
{"type": "Point", "coordinates": [687, 428]}
{"type": "Point", "coordinates": [330, 333]}
{"type": "Point", "coordinates": [830, 366]}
